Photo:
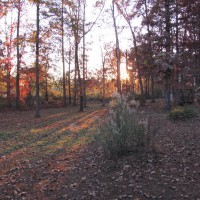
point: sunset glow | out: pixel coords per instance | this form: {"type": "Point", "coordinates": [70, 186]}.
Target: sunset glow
{"type": "Point", "coordinates": [124, 75]}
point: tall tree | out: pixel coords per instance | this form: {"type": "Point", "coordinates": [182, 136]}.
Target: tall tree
{"type": "Point", "coordinates": [63, 55]}
{"type": "Point", "coordinates": [150, 57]}
{"type": "Point", "coordinates": [122, 8]}
{"type": "Point", "coordinates": [37, 67]}
{"type": "Point", "coordinates": [8, 60]}
{"type": "Point", "coordinates": [79, 31]}
{"type": "Point", "coordinates": [18, 56]}
{"type": "Point", "coordinates": [75, 21]}
{"type": "Point", "coordinates": [84, 56]}
{"type": "Point", "coordinates": [167, 49]}
{"type": "Point", "coordinates": [103, 62]}
{"type": "Point", "coordinates": [69, 76]}
{"type": "Point", "coordinates": [118, 56]}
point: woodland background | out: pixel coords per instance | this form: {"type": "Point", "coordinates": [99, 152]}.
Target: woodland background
{"type": "Point", "coordinates": [44, 51]}
{"type": "Point", "coordinates": [70, 55]}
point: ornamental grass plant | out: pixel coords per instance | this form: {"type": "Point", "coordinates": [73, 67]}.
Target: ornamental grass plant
{"type": "Point", "coordinates": [124, 130]}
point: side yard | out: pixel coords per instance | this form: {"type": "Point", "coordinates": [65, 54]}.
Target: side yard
{"type": "Point", "coordinates": [54, 158]}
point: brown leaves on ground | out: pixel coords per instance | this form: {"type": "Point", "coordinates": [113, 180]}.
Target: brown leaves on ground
{"type": "Point", "coordinates": [52, 158]}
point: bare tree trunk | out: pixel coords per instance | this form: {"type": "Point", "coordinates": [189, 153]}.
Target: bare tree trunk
{"type": "Point", "coordinates": [63, 58]}
{"type": "Point", "coordinates": [8, 77]}
{"type": "Point", "coordinates": [132, 85]}
{"type": "Point", "coordinates": [46, 80]}
{"type": "Point", "coordinates": [103, 60]}
{"type": "Point", "coordinates": [75, 29]}
{"type": "Point", "coordinates": [177, 28]}
{"type": "Point", "coordinates": [84, 58]}
{"type": "Point", "coordinates": [177, 96]}
{"type": "Point", "coordinates": [147, 86]}
{"type": "Point", "coordinates": [167, 46]}
{"type": "Point", "coordinates": [79, 76]}
{"type": "Point", "coordinates": [127, 72]}
{"type": "Point", "coordinates": [152, 89]}
{"type": "Point", "coordinates": [138, 66]}
{"type": "Point", "coordinates": [104, 81]}
{"type": "Point", "coordinates": [75, 86]}
{"type": "Point", "coordinates": [37, 110]}
{"type": "Point", "coordinates": [104, 85]}
{"type": "Point", "coordinates": [46, 90]}
{"type": "Point", "coordinates": [117, 49]}
{"type": "Point", "coordinates": [126, 17]}
{"type": "Point", "coordinates": [69, 78]}
{"type": "Point", "coordinates": [8, 87]}
{"type": "Point", "coordinates": [8, 65]}
{"type": "Point", "coordinates": [18, 58]}
{"type": "Point", "coordinates": [151, 56]}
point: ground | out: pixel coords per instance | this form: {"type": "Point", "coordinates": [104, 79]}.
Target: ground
{"type": "Point", "coordinates": [54, 157]}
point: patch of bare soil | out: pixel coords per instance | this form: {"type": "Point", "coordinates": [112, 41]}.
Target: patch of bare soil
{"type": "Point", "coordinates": [172, 172]}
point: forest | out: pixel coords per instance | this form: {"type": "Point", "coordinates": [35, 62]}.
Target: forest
{"type": "Point", "coordinates": [99, 99]}
{"type": "Point", "coordinates": [162, 57]}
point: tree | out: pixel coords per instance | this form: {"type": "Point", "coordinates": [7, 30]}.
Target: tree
{"type": "Point", "coordinates": [122, 8]}
{"type": "Point", "coordinates": [75, 20]}
{"type": "Point", "coordinates": [8, 60]}
{"type": "Point", "coordinates": [103, 60]}
{"type": "Point", "coordinates": [118, 56]}
{"type": "Point", "coordinates": [84, 56]}
{"type": "Point", "coordinates": [63, 55]}
{"type": "Point", "coordinates": [37, 110]}
{"type": "Point", "coordinates": [19, 7]}
{"type": "Point", "coordinates": [45, 60]}
{"type": "Point", "coordinates": [78, 26]}
{"type": "Point", "coordinates": [69, 75]}
{"type": "Point", "coordinates": [150, 57]}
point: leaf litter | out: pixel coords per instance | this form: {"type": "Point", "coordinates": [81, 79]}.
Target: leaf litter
{"type": "Point", "coordinates": [171, 172]}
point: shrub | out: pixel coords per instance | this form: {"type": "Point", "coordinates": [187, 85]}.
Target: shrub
{"type": "Point", "coordinates": [123, 131]}
{"type": "Point", "coordinates": [182, 113]}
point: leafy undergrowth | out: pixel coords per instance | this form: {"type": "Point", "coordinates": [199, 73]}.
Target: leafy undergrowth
{"type": "Point", "coordinates": [183, 113]}
{"type": "Point", "coordinates": [52, 158]}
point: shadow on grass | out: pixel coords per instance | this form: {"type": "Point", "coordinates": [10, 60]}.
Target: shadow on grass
{"type": "Point", "coordinates": [54, 133]}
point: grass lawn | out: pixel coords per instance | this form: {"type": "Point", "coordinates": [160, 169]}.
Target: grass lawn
{"type": "Point", "coordinates": [22, 137]}
{"type": "Point", "coordinates": [51, 158]}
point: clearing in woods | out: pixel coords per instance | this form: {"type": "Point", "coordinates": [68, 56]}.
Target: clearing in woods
{"type": "Point", "coordinates": [31, 148]}
{"type": "Point", "coordinates": [53, 158]}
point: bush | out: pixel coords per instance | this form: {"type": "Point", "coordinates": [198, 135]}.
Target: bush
{"type": "Point", "coordinates": [97, 98]}
{"type": "Point", "coordinates": [123, 131]}
{"type": "Point", "coordinates": [182, 113]}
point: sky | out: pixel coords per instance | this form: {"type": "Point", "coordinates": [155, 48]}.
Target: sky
{"type": "Point", "coordinates": [102, 32]}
